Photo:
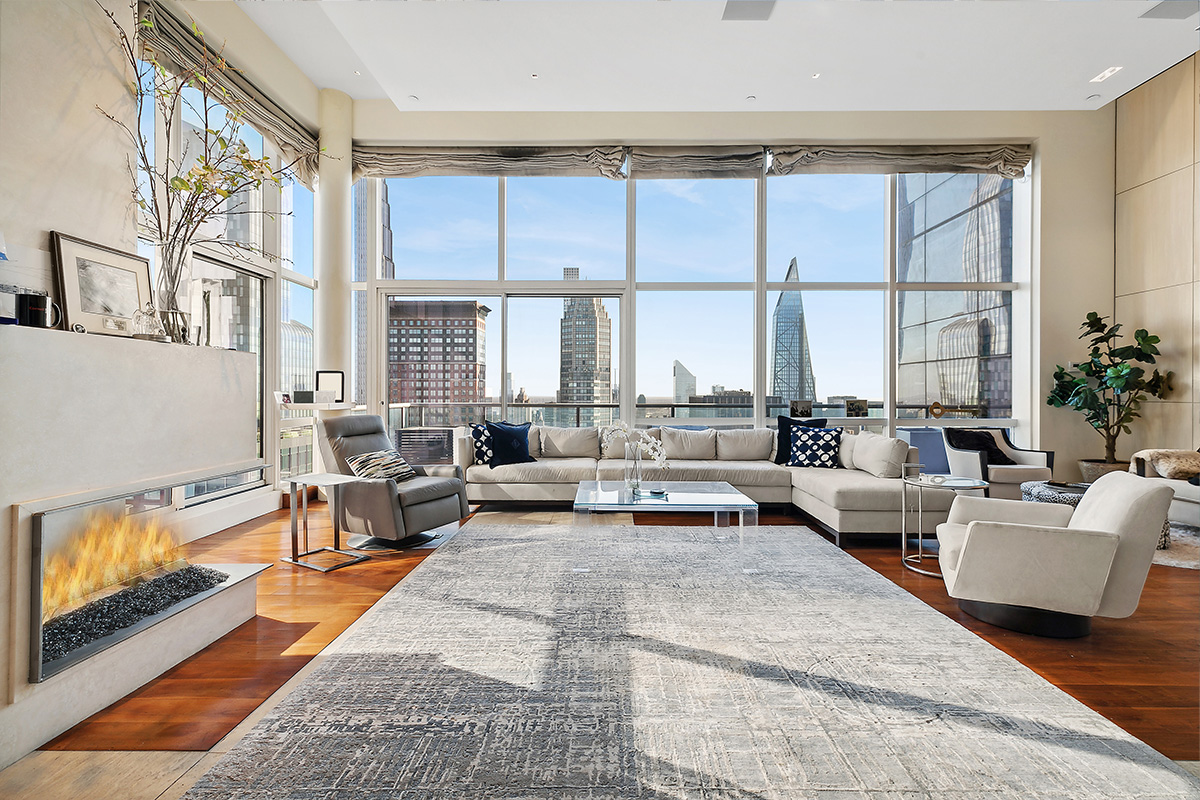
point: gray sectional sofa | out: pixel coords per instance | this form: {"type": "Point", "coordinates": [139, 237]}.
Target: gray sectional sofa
{"type": "Point", "coordinates": [863, 496]}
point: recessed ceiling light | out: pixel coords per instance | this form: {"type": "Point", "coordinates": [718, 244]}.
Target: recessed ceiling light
{"type": "Point", "coordinates": [534, 76]}
{"type": "Point", "coordinates": [358, 72]}
{"type": "Point", "coordinates": [816, 75]}
{"type": "Point", "coordinates": [1103, 76]}
{"type": "Point", "coordinates": [750, 98]}
{"type": "Point", "coordinates": [413, 97]}
{"type": "Point", "coordinates": [759, 10]}
{"type": "Point", "coordinates": [1093, 97]}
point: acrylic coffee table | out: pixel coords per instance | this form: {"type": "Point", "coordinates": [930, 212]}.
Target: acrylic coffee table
{"type": "Point", "coordinates": [715, 497]}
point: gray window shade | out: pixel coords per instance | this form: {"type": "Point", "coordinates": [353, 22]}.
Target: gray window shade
{"type": "Point", "coordinates": [736, 161]}
{"type": "Point", "coordinates": [173, 40]}
{"type": "Point", "coordinates": [1006, 160]}
{"type": "Point", "coordinates": [411, 162]}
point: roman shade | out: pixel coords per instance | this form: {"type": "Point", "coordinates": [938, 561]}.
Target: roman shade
{"type": "Point", "coordinates": [735, 161]}
{"type": "Point", "coordinates": [410, 162]}
{"type": "Point", "coordinates": [1006, 160]}
{"type": "Point", "coordinates": [175, 41]}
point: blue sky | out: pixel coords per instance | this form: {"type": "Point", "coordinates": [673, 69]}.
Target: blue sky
{"type": "Point", "coordinates": [687, 231]}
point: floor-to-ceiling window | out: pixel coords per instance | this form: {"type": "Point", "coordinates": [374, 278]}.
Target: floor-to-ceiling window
{"type": "Point", "coordinates": [719, 301]}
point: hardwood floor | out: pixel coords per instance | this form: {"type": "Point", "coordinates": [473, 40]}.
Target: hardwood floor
{"type": "Point", "coordinates": [1143, 673]}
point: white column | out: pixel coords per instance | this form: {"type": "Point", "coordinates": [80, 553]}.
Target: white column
{"type": "Point", "coordinates": [334, 247]}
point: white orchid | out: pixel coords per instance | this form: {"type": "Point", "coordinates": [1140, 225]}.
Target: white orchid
{"type": "Point", "coordinates": [642, 440]}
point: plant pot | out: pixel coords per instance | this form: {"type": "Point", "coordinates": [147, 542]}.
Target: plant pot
{"type": "Point", "coordinates": [1093, 468]}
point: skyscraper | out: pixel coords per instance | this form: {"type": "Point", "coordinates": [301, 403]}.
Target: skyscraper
{"type": "Point", "coordinates": [791, 359]}
{"type": "Point", "coordinates": [683, 383]}
{"type": "Point", "coordinates": [361, 271]}
{"type": "Point", "coordinates": [955, 347]}
{"type": "Point", "coordinates": [585, 359]}
{"type": "Point", "coordinates": [436, 359]}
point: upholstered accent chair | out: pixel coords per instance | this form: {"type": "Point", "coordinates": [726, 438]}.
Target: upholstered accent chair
{"type": "Point", "coordinates": [987, 454]}
{"type": "Point", "coordinates": [1047, 569]}
{"type": "Point", "coordinates": [379, 512]}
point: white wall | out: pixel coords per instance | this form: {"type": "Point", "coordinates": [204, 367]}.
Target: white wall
{"type": "Point", "coordinates": [62, 164]}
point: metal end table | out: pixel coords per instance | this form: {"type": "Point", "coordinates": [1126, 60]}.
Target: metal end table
{"type": "Point", "coordinates": [300, 483]}
{"type": "Point", "coordinates": [922, 482]}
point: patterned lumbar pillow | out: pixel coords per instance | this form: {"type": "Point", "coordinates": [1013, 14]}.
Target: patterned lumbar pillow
{"type": "Point", "coordinates": [481, 442]}
{"type": "Point", "coordinates": [381, 464]}
{"type": "Point", "coordinates": [815, 447]}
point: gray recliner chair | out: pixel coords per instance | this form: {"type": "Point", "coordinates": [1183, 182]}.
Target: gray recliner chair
{"type": "Point", "coordinates": [378, 512]}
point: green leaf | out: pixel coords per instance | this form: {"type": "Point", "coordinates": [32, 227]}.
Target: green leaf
{"type": "Point", "coordinates": [179, 184]}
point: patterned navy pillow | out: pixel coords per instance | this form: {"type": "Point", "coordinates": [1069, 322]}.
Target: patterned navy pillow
{"type": "Point", "coordinates": [815, 447]}
{"type": "Point", "coordinates": [381, 464]}
{"type": "Point", "coordinates": [783, 445]}
{"type": "Point", "coordinates": [510, 443]}
{"type": "Point", "coordinates": [481, 441]}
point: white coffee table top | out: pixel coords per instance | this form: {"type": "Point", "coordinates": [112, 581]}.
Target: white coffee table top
{"type": "Point", "coordinates": [680, 496]}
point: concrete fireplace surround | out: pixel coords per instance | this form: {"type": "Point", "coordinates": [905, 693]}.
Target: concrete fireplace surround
{"type": "Point", "coordinates": [89, 416]}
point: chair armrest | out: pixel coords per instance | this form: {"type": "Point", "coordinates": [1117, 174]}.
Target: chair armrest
{"type": "Point", "coordinates": [372, 506]}
{"type": "Point", "coordinates": [966, 509]}
{"type": "Point", "coordinates": [1029, 458]}
{"type": "Point", "coordinates": [1057, 569]}
{"type": "Point", "coordinates": [439, 470]}
{"type": "Point", "coordinates": [966, 463]}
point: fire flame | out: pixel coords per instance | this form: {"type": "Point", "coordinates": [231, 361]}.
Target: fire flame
{"type": "Point", "coordinates": [110, 549]}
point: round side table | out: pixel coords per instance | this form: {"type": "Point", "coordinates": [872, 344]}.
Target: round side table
{"type": "Point", "coordinates": [921, 483]}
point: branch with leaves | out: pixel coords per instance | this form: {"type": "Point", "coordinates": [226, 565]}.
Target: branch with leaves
{"type": "Point", "coordinates": [1109, 387]}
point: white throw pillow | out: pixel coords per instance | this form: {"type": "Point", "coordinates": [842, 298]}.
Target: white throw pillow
{"type": "Point", "coordinates": [745, 445]}
{"type": "Point", "coordinates": [846, 452]}
{"type": "Point", "coordinates": [879, 455]}
{"type": "Point", "coordinates": [690, 445]}
{"type": "Point", "coordinates": [570, 442]}
{"type": "Point", "coordinates": [535, 440]}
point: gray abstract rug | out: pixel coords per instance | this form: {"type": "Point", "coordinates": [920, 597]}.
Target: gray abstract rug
{"type": "Point", "coordinates": [643, 662]}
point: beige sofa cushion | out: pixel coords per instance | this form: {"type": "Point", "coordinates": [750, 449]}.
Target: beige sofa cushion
{"type": "Point", "coordinates": [689, 444]}
{"type": "Point", "coordinates": [548, 470]}
{"type": "Point", "coordinates": [570, 442]}
{"type": "Point", "coordinates": [879, 455]}
{"type": "Point", "coordinates": [1017, 473]}
{"type": "Point", "coordinates": [745, 445]}
{"type": "Point", "coordinates": [855, 490]}
{"type": "Point", "coordinates": [535, 441]}
{"type": "Point", "coordinates": [616, 448]}
{"type": "Point", "coordinates": [735, 473]}
{"type": "Point", "coordinates": [846, 450]}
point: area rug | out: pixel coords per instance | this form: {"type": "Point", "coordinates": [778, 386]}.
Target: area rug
{"type": "Point", "coordinates": [554, 661]}
{"type": "Point", "coordinates": [1184, 550]}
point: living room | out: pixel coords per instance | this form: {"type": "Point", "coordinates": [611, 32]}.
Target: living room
{"type": "Point", "coordinates": [735, 211]}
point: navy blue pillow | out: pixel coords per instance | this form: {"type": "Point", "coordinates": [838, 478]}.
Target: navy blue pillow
{"type": "Point", "coordinates": [510, 443]}
{"type": "Point", "coordinates": [815, 447]}
{"type": "Point", "coordinates": [784, 444]}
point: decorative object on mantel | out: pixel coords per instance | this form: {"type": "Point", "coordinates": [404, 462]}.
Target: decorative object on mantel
{"type": "Point", "coordinates": [147, 325]}
{"type": "Point", "coordinates": [1109, 387]}
{"type": "Point", "coordinates": [100, 288]}
{"type": "Point", "coordinates": [186, 195]}
{"type": "Point", "coordinates": [36, 310]}
{"type": "Point", "coordinates": [332, 380]}
{"type": "Point", "coordinates": [636, 443]}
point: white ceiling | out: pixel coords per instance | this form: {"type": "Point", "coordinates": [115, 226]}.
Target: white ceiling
{"type": "Point", "coordinates": [679, 55]}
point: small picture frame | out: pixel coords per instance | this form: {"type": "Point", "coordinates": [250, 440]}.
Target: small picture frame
{"type": "Point", "coordinates": [285, 398]}
{"type": "Point", "coordinates": [856, 408]}
{"type": "Point", "coordinates": [332, 380]}
{"type": "Point", "coordinates": [99, 288]}
{"type": "Point", "coordinates": [801, 408]}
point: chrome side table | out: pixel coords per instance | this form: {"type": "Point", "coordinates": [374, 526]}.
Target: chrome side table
{"type": "Point", "coordinates": [300, 483]}
{"type": "Point", "coordinates": [921, 482]}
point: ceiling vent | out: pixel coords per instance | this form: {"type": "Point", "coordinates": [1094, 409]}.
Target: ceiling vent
{"type": "Point", "coordinates": [748, 9]}
{"type": "Point", "coordinates": [1169, 9]}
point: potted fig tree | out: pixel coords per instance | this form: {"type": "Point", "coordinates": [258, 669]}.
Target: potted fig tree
{"type": "Point", "coordinates": [1109, 386]}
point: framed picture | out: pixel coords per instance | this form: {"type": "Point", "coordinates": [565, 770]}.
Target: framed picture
{"type": "Point", "coordinates": [801, 408]}
{"type": "Point", "coordinates": [332, 380]}
{"type": "Point", "coordinates": [99, 288]}
{"type": "Point", "coordinates": [856, 408]}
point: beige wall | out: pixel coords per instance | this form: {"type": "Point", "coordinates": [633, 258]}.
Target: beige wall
{"type": "Point", "coordinates": [1157, 262]}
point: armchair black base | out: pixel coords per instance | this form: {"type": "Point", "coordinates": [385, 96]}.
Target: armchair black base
{"type": "Point", "coordinates": [1023, 619]}
{"type": "Point", "coordinates": [361, 541]}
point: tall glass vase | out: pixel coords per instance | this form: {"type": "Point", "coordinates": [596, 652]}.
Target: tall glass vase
{"type": "Point", "coordinates": [173, 291]}
{"type": "Point", "coordinates": [633, 467]}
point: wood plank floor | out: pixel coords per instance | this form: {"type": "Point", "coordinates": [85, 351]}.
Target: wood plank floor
{"type": "Point", "coordinates": [1143, 673]}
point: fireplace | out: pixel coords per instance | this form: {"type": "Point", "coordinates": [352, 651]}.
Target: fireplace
{"type": "Point", "coordinates": [105, 570]}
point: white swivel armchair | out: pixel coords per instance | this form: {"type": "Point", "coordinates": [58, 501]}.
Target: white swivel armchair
{"type": "Point", "coordinates": [987, 454]}
{"type": "Point", "coordinates": [1048, 569]}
